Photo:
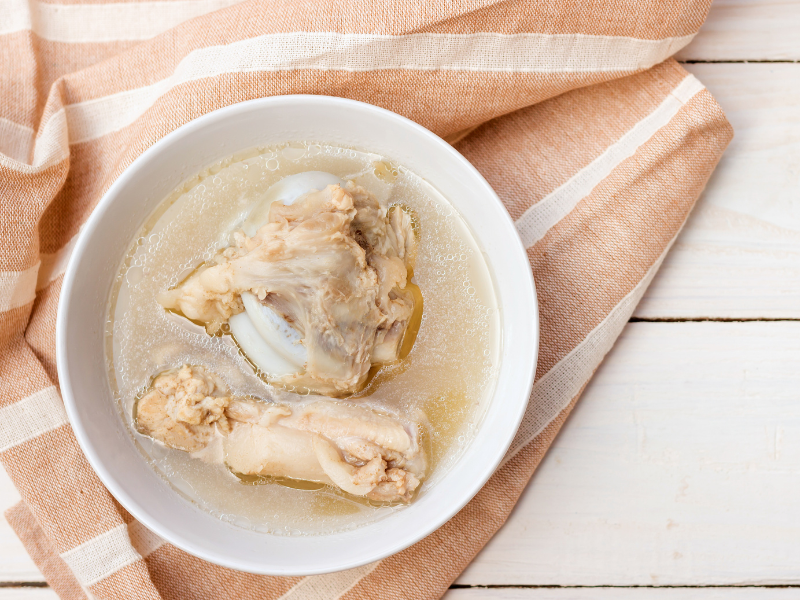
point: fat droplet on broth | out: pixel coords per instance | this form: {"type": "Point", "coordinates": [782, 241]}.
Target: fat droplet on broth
{"type": "Point", "coordinates": [293, 152]}
{"type": "Point", "coordinates": [385, 171]}
{"type": "Point", "coordinates": [134, 275]}
{"type": "Point", "coordinates": [447, 374]}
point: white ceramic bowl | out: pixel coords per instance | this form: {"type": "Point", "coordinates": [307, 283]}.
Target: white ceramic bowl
{"type": "Point", "coordinates": [95, 418]}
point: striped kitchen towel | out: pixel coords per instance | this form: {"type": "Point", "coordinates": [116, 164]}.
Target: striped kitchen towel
{"type": "Point", "coordinates": [596, 141]}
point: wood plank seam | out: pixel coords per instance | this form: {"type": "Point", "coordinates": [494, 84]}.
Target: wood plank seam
{"type": "Point", "coordinates": [23, 584]}
{"type": "Point", "coordinates": [711, 319]}
{"type": "Point", "coordinates": [738, 62]}
{"type": "Point", "coordinates": [457, 586]}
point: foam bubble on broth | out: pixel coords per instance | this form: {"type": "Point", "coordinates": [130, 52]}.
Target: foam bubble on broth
{"type": "Point", "coordinates": [449, 374]}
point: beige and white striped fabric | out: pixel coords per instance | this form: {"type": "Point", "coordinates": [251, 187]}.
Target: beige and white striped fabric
{"type": "Point", "coordinates": [596, 141]}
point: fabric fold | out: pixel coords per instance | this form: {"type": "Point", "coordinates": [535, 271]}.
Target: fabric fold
{"type": "Point", "coordinates": [597, 148]}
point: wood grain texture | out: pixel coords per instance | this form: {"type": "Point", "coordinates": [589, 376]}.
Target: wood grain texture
{"type": "Point", "coordinates": [617, 594]}
{"type": "Point", "coordinates": [541, 594]}
{"type": "Point", "coordinates": [739, 253]}
{"type": "Point", "coordinates": [679, 466]}
{"type": "Point", "coordinates": [28, 593]}
{"type": "Point", "coordinates": [748, 30]}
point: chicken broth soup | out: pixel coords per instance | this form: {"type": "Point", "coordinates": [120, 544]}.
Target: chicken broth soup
{"type": "Point", "coordinates": [303, 338]}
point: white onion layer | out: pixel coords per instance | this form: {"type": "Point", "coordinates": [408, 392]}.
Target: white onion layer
{"type": "Point", "coordinates": [284, 339]}
{"type": "Point", "coordinates": [262, 354]}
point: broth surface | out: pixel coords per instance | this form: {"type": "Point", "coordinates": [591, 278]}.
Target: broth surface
{"type": "Point", "coordinates": [446, 380]}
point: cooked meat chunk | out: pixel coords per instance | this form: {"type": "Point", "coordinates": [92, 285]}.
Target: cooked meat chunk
{"type": "Point", "coordinates": [183, 407]}
{"type": "Point", "coordinates": [334, 265]}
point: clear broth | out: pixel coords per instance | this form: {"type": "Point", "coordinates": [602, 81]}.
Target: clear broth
{"type": "Point", "coordinates": [446, 379]}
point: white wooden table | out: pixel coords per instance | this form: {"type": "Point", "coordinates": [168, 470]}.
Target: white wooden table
{"type": "Point", "coordinates": [678, 474]}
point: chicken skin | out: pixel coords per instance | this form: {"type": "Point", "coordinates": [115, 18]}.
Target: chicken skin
{"type": "Point", "coordinates": [351, 447]}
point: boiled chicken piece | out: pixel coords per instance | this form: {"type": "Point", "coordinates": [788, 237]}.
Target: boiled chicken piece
{"type": "Point", "coordinates": [334, 266]}
{"type": "Point", "coordinates": [184, 408]}
{"type": "Point", "coordinates": [287, 191]}
{"type": "Point", "coordinates": [266, 338]}
{"type": "Point", "coordinates": [352, 447]}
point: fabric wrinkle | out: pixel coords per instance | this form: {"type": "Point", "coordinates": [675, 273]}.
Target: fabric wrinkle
{"type": "Point", "coordinates": [539, 98]}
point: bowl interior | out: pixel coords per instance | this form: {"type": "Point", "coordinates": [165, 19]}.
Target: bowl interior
{"type": "Point", "coordinates": [80, 332]}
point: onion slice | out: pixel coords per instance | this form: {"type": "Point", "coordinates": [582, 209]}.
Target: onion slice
{"type": "Point", "coordinates": [257, 349]}
{"type": "Point", "coordinates": [284, 339]}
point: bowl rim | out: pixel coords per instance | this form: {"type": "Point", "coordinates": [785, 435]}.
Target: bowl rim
{"type": "Point", "coordinates": [525, 287]}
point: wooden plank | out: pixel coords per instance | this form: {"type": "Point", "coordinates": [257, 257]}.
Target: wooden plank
{"type": "Point", "coordinates": [739, 254]}
{"type": "Point", "coordinates": [27, 593]}
{"type": "Point", "coordinates": [15, 564]}
{"type": "Point", "coordinates": [759, 593]}
{"type": "Point", "coordinates": [748, 30]}
{"type": "Point", "coordinates": [646, 593]}
{"type": "Point", "coordinates": [679, 466]}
